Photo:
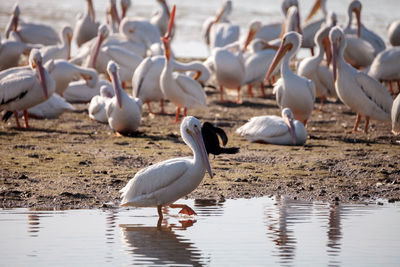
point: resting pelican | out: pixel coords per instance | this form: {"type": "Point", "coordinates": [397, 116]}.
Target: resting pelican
{"type": "Point", "coordinates": [180, 89]}
{"type": "Point", "coordinates": [123, 112]}
{"type": "Point", "coordinates": [276, 130]}
{"type": "Point", "coordinates": [97, 106]}
{"type": "Point", "coordinates": [376, 42]}
{"type": "Point", "coordinates": [393, 32]}
{"type": "Point", "coordinates": [386, 66]}
{"type": "Point", "coordinates": [161, 17]}
{"type": "Point", "coordinates": [60, 51]}
{"type": "Point", "coordinates": [30, 32]}
{"type": "Point", "coordinates": [222, 16]}
{"type": "Point", "coordinates": [164, 183]}
{"type": "Point", "coordinates": [312, 69]}
{"type": "Point", "coordinates": [292, 91]}
{"type": "Point", "coordinates": [363, 94]}
{"type": "Point", "coordinates": [86, 26]}
{"type": "Point", "coordinates": [23, 88]}
{"type": "Point", "coordinates": [82, 92]}
{"type": "Point", "coordinates": [396, 116]}
{"type": "Point", "coordinates": [10, 52]}
{"type": "Point", "coordinates": [52, 108]}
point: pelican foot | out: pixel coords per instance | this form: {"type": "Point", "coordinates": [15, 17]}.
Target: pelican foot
{"type": "Point", "coordinates": [187, 211]}
{"type": "Point", "coordinates": [118, 134]}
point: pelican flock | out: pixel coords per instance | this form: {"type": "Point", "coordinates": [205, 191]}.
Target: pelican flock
{"type": "Point", "coordinates": [113, 64]}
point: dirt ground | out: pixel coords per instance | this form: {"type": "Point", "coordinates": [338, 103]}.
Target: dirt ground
{"type": "Point", "coordinates": [75, 162]}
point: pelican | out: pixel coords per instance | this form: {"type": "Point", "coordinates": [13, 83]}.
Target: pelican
{"type": "Point", "coordinates": [180, 89]}
{"type": "Point", "coordinates": [222, 17]}
{"type": "Point", "coordinates": [82, 91]}
{"type": "Point", "coordinates": [276, 130]}
{"type": "Point", "coordinates": [123, 112]}
{"type": "Point", "coordinates": [10, 52]}
{"type": "Point", "coordinates": [164, 183]}
{"type": "Point", "coordinates": [363, 94]}
{"type": "Point", "coordinates": [60, 51]}
{"type": "Point", "coordinates": [30, 32]}
{"type": "Point", "coordinates": [393, 32]}
{"type": "Point", "coordinates": [312, 69]}
{"type": "Point", "coordinates": [292, 91]}
{"type": "Point", "coordinates": [97, 106]}
{"type": "Point", "coordinates": [386, 66]}
{"type": "Point", "coordinates": [362, 32]}
{"type": "Point", "coordinates": [396, 116]}
{"type": "Point", "coordinates": [113, 19]}
{"type": "Point", "coordinates": [24, 88]}
{"type": "Point", "coordinates": [161, 17]}
{"type": "Point", "coordinates": [52, 108]}
{"type": "Point", "coordinates": [86, 26]}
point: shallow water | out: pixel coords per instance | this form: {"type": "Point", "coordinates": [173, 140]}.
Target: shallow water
{"type": "Point", "coordinates": [376, 15]}
{"type": "Point", "coordinates": [243, 232]}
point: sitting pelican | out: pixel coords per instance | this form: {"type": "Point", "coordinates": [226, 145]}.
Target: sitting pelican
{"type": "Point", "coordinates": [97, 106]}
{"type": "Point", "coordinates": [276, 130]}
{"type": "Point", "coordinates": [59, 51]}
{"type": "Point", "coordinates": [10, 52]}
{"type": "Point", "coordinates": [180, 89]}
{"type": "Point", "coordinates": [123, 112]}
{"type": "Point", "coordinates": [52, 108]}
{"type": "Point", "coordinates": [82, 91]}
{"type": "Point", "coordinates": [22, 88]}
{"type": "Point", "coordinates": [396, 116]}
{"type": "Point", "coordinates": [363, 94]}
{"type": "Point", "coordinates": [30, 32]}
{"type": "Point", "coordinates": [312, 69]}
{"type": "Point", "coordinates": [86, 26]}
{"type": "Point", "coordinates": [292, 91]}
{"type": "Point", "coordinates": [393, 32]}
{"type": "Point", "coordinates": [165, 182]}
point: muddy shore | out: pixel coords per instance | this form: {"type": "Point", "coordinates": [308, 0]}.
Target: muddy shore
{"type": "Point", "coordinates": [75, 162]}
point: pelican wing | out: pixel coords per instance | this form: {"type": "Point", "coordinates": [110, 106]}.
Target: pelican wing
{"type": "Point", "coordinates": [375, 91]}
{"type": "Point", "coordinates": [326, 78]}
{"type": "Point", "coordinates": [139, 75]}
{"type": "Point", "coordinates": [311, 87]}
{"type": "Point", "coordinates": [150, 180]}
{"type": "Point", "coordinates": [191, 88]}
{"type": "Point", "coordinates": [14, 87]}
{"type": "Point", "coordinates": [263, 127]}
{"type": "Point", "coordinates": [122, 56]}
{"type": "Point", "coordinates": [309, 32]}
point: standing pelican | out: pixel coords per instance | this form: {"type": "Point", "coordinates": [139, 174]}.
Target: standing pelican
{"type": "Point", "coordinates": [312, 69]}
{"type": "Point", "coordinates": [393, 32]}
{"type": "Point", "coordinates": [60, 51]}
{"type": "Point", "coordinates": [396, 116]}
{"type": "Point", "coordinates": [86, 26]}
{"type": "Point", "coordinates": [363, 94]}
{"type": "Point", "coordinates": [222, 16]}
{"type": "Point", "coordinates": [97, 106]}
{"type": "Point", "coordinates": [30, 32]}
{"type": "Point", "coordinates": [167, 181]}
{"type": "Point", "coordinates": [276, 130]}
{"type": "Point", "coordinates": [23, 88]}
{"type": "Point", "coordinates": [123, 112]}
{"type": "Point", "coordinates": [292, 91]}
{"type": "Point", "coordinates": [180, 89]}
{"type": "Point", "coordinates": [10, 52]}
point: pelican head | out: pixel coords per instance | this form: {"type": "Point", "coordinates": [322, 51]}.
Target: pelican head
{"type": "Point", "coordinates": [112, 69]}
{"type": "Point", "coordinates": [67, 35]}
{"type": "Point", "coordinates": [225, 10]}
{"type": "Point", "coordinates": [288, 118]}
{"type": "Point", "coordinates": [322, 38]}
{"type": "Point", "coordinates": [254, 27]}
{"type": "Point", "coordinates": [331, 19]}
{"type": "Point", "coordinates": [106, 91]}
{"type": "Point", "coordinates": [338, 43]}
{"type": "Point", "coordinates": [125, 4]}
{"type": "Point", "coordinates": [13, 25]}
{"type": "Point", "coordinates": [102, 34]}
{"type": "Point", "coordinates": [166, 39]}
{"type": "Point", "coordinates": [191, 134]}
{"type": "Point", "coordinates": [355, 7]}
{"type": "Point", "coordinates": [318, 4]}
{"type": "Point", "coordinates": [35, 61]}
{"type": "Point", "coordinates": [290, 44]}
{"type": "Point", "coordinates": [285, 4]}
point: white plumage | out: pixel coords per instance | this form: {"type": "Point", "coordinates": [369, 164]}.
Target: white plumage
{"type": "Point", "coordinates": [395, 114]}
{"type": "Point", "coordinates": [52, 108]}
{"type": "Point", "coordinates": [86, 26]}
{"type": "Point", "coordinates": [97, 106]}
{"type": "Point", "coordinates": [59, 51]}
{"type": "Point", "coordinates": [11, 51]}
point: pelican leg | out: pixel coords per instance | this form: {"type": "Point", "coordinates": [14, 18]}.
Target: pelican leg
{"type": "Point", "coordinates": [391, 87]}
{"type": "Point", "coordinates": [262, 89]}
{"type": "Point", "coordinates": [16, 119]}
{"type": "Point", "coordinates": [366, 124]}
{"type": "Point", "coordinates": [398, 86]}
{"type": "Point", "coordinates": [184, 112]}
{"type": "Point", "coordinates": [272, 80]}
{"type": "Point", "coordinates": [162, 106]}
{"type": "Point", "coordinates": [184, 209]}
{"type": "Point", "coordinates": [305, 122]}
{"type": "Point", "coordinates": [238, 96]}
{"type": "Point", "coordinates": [358, 119]}
{"type": "Point", "coordinates": [123, 84]}
{"type": "Point", "coordinates": [322, 99]}
{"type": "Point", "coordinates": [221, 94]}
{"type": "Point", "coordinates": [26, 119]}
{"type": "Point", "coordinates": [178, 112]}
{"type": "Point", "coordinates": [160, 216]}
{"type": "Point", "coordinates": [149, 108]}
{"type": "Point", "coordinates": [250, 89]}
{"type": "Point", "coordinates": [312, 51]}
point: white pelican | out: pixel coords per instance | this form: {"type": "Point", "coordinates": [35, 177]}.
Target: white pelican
{"type": "Point", "coordinates": [167, 181]}
{"type": "Point", "coordinates": [123, 112]}
{"type": "Point", "coordinates": [82, 92]}
{"type": "Point", "coordinates": [113, 19]}
{"type": "Point", "coordinates": [63, 72]}
{"type": "Point", "coordinates": [101, 55]}
{"type": "Point", "coordinates": [393, 32]}
{"type": "Point", "coordinates": [97, 106]}
{"type": "Point", "coordinates": [222, 16]}
{"type": "Point", "coordinates": [10, 52]}
{"type": "Point", "coordinates": [23, 88]}
{"type": "Point", "coordinates": [161, 17]}
{"type": "Point", "coordinates": [396, 115]}
{"type": "Point", "coordinates": [363, 94]}
{"type": "Point", "coordinates": [292, 91]}
{"type": "Point", "coordinates": [276, 130]}
{"type": "Point", "coordinates": [30, 32]}
{"type": "Point", "coordinates": [312, 69]}
{"type": "Point", "coordinates": [180, 89]}
{"type": "Point", "coordinates": [59, 51]}
{"type": "Point", "coordinates": [52, 108]}
{"type": "Point", "coordinates": [86, 26]}
{"type": "Point", "coordinates": [386, 66]}
{"type": "Point", "coordinates": [376, 42]}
